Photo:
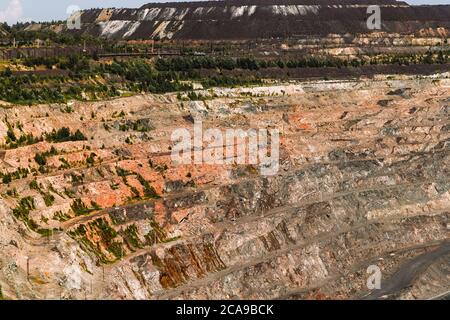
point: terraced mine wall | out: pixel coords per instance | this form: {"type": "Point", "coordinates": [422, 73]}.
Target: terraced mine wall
{"type": "Point", "coordinates": [219, 20]}
{"type": "Point", "coordinates": [364, 179]}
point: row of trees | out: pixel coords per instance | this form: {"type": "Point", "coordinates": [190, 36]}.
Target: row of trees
{"type": "Point", "coordinates": [167, 75]}
{"type": "Point", "coordinates": [74, 63]}
{"type": "Point", "coordinates": [82, 81]}
{"type": "Point", "coordinates": [140, 76]}
{"type": "Point", "coordinates": [23, 36]}
{"type": "Point", "coordinates": [64, 134]}
{"type": "Point", "coordinates": [11, 91]}
{"type": "Point", "coordinates": [192, 63]}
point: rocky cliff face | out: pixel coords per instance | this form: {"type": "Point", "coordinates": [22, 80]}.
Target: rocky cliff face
{"type": "Point", "coordinates": [219, 20]}
{"type": "Point", "coordinates": [364, 179]}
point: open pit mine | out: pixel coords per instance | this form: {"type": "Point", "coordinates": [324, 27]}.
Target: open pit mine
{"type": "Point", "coordinates": [363, 180]}
{"type": "Point", "coordinates": [93, 205]}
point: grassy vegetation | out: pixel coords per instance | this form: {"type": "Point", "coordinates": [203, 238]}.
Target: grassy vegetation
{"type": "Point", "coordinates": [149, 191]}
{"type": "Point", "coordinates": [80, 209]}
{"type": "Point", "coordinates": [12, 193]}
{"type": "Point", "coordinates": [20, 173]}
{"type": "Point", "coordinates": [90, 161]}
{"type": "Point", "coordinates": [23, 140]}
{"type": "Point", "coordinates": [41, 158]}
{"type": "Point", "coordinates": [49, 199]}
{"type": "Point", "coordinates": [65, 164]}
{"type": "Point", "coordinates": [140, 125]}
{"type": "Point", "coordinates": [61, 217]}
{"type": "Point", "coordinates": [131, 237]}
{"type": "Point", "coordinates": [76, 179]}
{"type": "Point", "coordinates": [22, 212]}
{"type": "Point", "coordinates": [107, 238]}
{"type": "Point", "coordinates": [156, 235]}
{"type": "Point", "coordinates": [12, 141]}
{"type": "Point", "coordinates": [122, 172]}
{"type": "Point", "coordinates": [116, 249]}
{"type": "Point", "coordinates": [60, 135]}
{"type": "Point", "coordinates": [135, 192]}
{"type": "Point", "coordinates": [80, 234]}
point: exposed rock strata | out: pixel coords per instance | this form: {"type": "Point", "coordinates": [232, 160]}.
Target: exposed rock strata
{"type": "Point", "coordinates": [359, 180]}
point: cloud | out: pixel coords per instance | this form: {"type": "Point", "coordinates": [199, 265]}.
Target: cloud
{"type": "Point", "coordinates": [12, 13]}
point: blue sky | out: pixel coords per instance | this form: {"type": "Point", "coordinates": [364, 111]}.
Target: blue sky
{"type": "Point", "coordinates": [44, 10]}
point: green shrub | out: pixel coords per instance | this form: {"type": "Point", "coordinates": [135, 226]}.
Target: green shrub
{"type": "Point", "coordinates": [49, 199]}
{"type": "Point", "coordinates": [64, 135]}
{"type": "Point", "coordinates": [149, 191]}
{"type": "Point", "coordinates": [79, 208]}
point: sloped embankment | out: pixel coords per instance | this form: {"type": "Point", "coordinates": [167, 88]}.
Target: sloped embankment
{"type": "Point", "coordinates": [364, 176]}
{"type": "Point", "coordinates": [219, 20]}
